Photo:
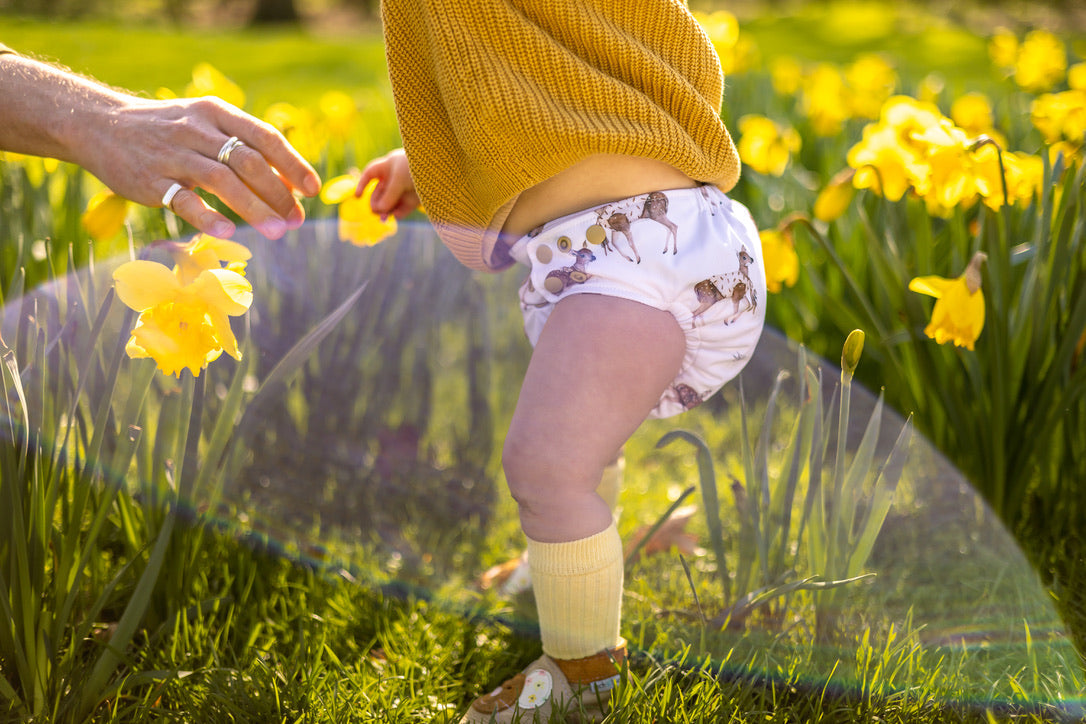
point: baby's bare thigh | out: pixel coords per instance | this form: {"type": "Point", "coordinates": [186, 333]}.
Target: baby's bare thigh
{"type": "Point", "coordinates": [598, 368]}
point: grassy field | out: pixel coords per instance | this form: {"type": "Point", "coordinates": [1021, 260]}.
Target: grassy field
{"type": "Point", "coordinates": [320, 562]}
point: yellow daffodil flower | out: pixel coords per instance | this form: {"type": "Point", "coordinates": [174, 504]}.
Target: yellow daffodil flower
{"type": "Point", "coordinates": [871, 81]}
{"type": "Point", "coordinates": [786, 74]}
{"type": "Point", "coordinates": [299, 128]}
{"type": "Point", "coordinates": [1022, 173]}
{"type": "Point", "coordinates": [338, 111]}
{"type": "Point", "coordinates": [105, 215]}
{"type": "Point", "coordinates": [958, 315]}
{"type": "Point", "coordinates": [765, 145]}
{"type": "Point", "coordinates": [835, 198]}
{"type": "Point", "coordinates": [207, 80]}
{"type": "Point", "coordinates": [780, 259]}
{"type": "Point", "coordinates": [1003, 49]}
{"type": "Point", "coordinates": [972, 113]}
{"type": "Point", "coordinates": [357, 222]}
{"type": "Point", "coordinates": [1076, 77]}
{"type": "Point", "coordinates": [1041, 61]}
{"type": "Point", "coordinates": [950, 181]}
{"type": "Point", "coordinates": [825, 100]}
{"type": "Point", "coordinates": [736, 52]}
{"type": "Point", "coordinates": [883, 163]}
{"type": "Point", "coordinates": [182, 325]}
{"type": "Point", "coordinates": [207, 252]}
{"type": "Point", "coordinates": [1060, 116]}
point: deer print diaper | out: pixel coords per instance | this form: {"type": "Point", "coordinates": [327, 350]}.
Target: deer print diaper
{"type": "Point", "coordinates": [692, 252]}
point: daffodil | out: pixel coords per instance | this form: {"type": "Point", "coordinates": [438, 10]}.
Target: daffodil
{"type": "Point", "coordinates": [357, 222]}
{"type": "Point", "coordinates": [207, 80]}
{"type": "Point", "coordinates": [766, 146]}
{"type": "Point", "coordinates": [958, 315]}
{"type": "Point", "coordinates": [182, 325]}
{"type": "Point", "coordinates": [1076, 76]}
{"type": "Point", "coordinates": [1060, 116]}
{"type": "Point", "coordinates": [298, 126]}
{"type": "Point", "coordinates": [825, 100]}
{"type": "Point", "coordinates": [105, 215]}
{"type": "Point", "coordinates": [735, 50]}
{"type": "Point", "coordinates": [835, 198]}
{"type": "Point", "coordinates": [972, 112]}
{"type": "Point", "coordinates": [950, 181]}
{"type": "Point", "coordinates": [871, 80]}
{"type": "Point", "coordinates": [338, 110]}
{"type": "Point", "coordinates": [1041, 62]}
{"type": "Point", "coordinates": [780, 259]}
{"type": "Point", "coordinates": [883, 163]}
{"type": "Point", "coordinates": [1003, 49]}
{"type": "Point", "coordinates": [786, 74]}
{"type": "Point", "coordinates": [207, 252]}
{"type": "Point", "coordinates": [1006, 177]}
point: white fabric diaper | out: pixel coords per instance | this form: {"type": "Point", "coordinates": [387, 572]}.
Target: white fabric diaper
{"type": "Point", "coordinates": [692, 252]}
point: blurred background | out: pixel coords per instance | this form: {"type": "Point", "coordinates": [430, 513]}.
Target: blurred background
{"type": "Point", "coordinates": [338, 14]}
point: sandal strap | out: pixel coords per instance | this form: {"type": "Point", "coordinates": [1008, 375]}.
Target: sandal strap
{"type": "Point", "coordinates": [595, 669]}
{"type": "Point", "coordinates": [502, 698]}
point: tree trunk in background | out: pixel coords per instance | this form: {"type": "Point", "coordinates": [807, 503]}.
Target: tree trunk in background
{"type": "Point", "coordinates": [275, 11]}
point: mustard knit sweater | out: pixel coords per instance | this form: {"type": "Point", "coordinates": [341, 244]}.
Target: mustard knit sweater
{"type": "Point", "coordinates": [495, 96]}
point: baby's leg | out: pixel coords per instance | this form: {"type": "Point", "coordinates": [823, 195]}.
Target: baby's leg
{"type": "Point", "coordinates": [598, 369]}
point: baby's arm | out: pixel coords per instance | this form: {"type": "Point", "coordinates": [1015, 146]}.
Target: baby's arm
{"type": "Point", "coordinates": [395, 192]}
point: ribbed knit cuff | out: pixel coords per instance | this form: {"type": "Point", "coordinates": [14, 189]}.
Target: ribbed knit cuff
{"type": "Point", "coordinates": [578, 592]}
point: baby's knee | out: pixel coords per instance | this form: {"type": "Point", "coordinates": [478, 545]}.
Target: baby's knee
{"type": "Point", "coordinates": [525, 467]}
{"type": "Point", "coordinates": [544, 477]}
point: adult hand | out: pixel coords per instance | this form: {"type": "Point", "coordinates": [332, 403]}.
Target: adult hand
{"type": "Point", "coordinates": [148, 146]}
{"type": "Point", "coordinates": [141, 148]}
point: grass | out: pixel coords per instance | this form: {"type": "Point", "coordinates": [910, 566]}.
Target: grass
{"type": "Point", "coordinates": [268, 617]}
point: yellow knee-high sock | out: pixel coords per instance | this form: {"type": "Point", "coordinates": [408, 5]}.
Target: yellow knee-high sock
{"type": "Point", "coordinates": [578, 593]}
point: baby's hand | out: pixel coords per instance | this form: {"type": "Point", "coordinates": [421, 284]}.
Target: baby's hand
{"type": "Point", "coordinates": [394, 193]}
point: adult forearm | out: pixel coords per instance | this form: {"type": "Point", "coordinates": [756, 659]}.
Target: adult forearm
{"type": "Point", "coordinates": [45, 111]}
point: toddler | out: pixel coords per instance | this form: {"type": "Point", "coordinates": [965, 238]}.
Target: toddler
{"type": "Point", "coordinates": [581, 140]}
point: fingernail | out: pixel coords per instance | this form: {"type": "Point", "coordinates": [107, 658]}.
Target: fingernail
{"type": "Point", "coordinates": [274, 228]}
{"type": "Point", "coordinates": [222, 229]}
{"type": "Point", "coordinates": [296, 217]}
{"type": "Point", "coordinates": [312, 186]}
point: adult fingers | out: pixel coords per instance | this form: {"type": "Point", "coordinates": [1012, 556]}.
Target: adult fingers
{"type": "Point", "coordinates": [250, 166]}
{"type": "Point", "coordinates": [273, 148]}
{"type": "Point", "coordinates": [189, 205]}
{"type": "Point", "coordinates": [253, 192]}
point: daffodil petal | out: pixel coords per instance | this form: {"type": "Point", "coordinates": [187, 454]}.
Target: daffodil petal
{"type": "Point", "coordinates": [932, 286]}
{"type": "Point", "coordinates": [224, 249]}
{"type": "Point", "coordinates": [339, 189]}
{"type": "Point", "coordinates": [223, 289]}
{"type": "Point", "coordinates": [142, 284]}
{"type": "Point", "coordinates": [220, 324]}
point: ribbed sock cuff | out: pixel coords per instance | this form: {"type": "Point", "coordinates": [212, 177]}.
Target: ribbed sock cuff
{"type": "Point", "coordinates": [578, 592]}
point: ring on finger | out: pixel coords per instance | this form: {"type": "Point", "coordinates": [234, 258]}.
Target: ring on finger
{"type": "Point", "coordinates": [167, 198]}
{"type": "Point", "coordinates": [228, 148]}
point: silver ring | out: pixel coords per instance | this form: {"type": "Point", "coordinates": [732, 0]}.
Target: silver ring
{"type": "Point", "coordinates": [227, 149]}
{"type": "Point", "coordinates": [167, 198]}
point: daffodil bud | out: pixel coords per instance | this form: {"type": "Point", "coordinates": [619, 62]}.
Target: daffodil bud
{"type": "Point", "coordinates": [850, 354]}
